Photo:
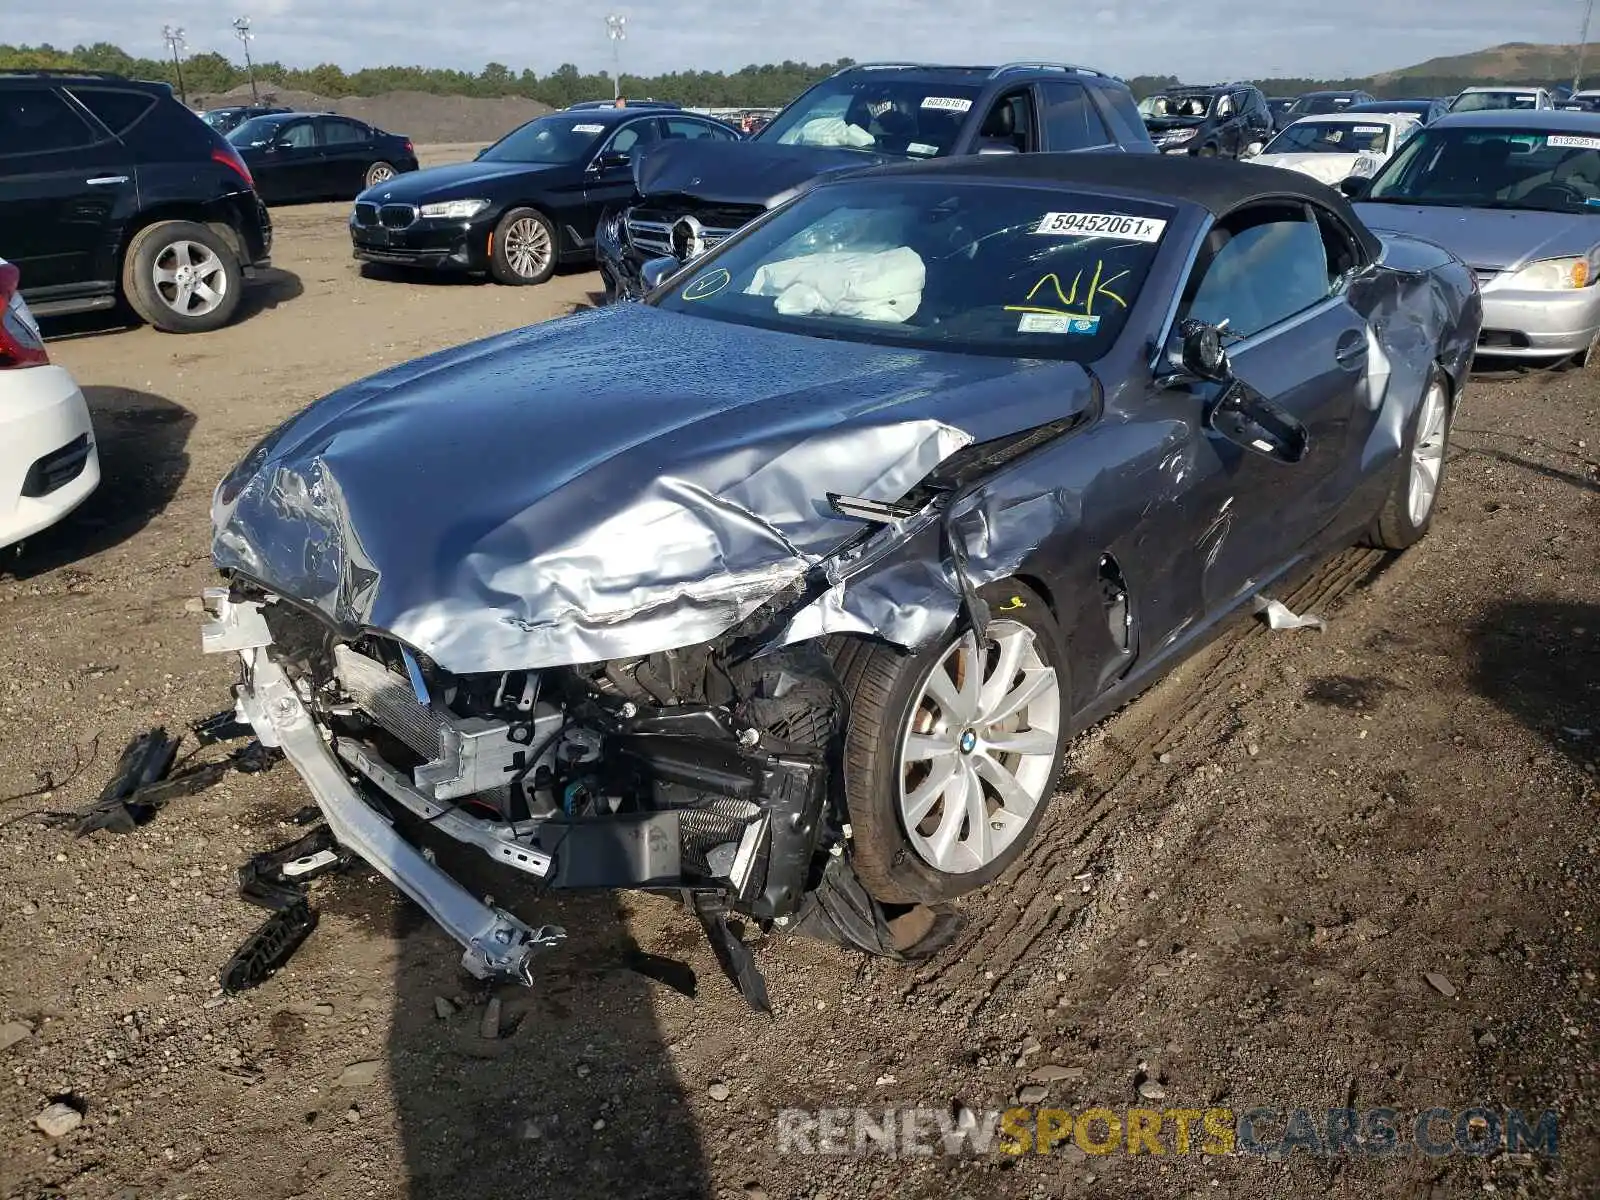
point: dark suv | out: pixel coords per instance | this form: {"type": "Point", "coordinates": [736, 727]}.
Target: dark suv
{"type": "Point", "coordinates": [1214, 120]}
{"type": "Point", "coordinates": [111, 189]}
{"type": "Point", "coordinates": [691, 195]}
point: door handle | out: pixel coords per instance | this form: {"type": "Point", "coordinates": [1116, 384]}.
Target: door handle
{"type": "Point", "coordinates": [1351, 351]}
{"type": "Point", "coordinates": [106, 180]}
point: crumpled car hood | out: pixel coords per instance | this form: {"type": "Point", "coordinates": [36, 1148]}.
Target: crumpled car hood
{"type": "Point", "coordinates": [1497, 239]}
{"type": "Point", "coordinates": [619, 482]}
{"type": "Point", "coordinates": [751, 172]}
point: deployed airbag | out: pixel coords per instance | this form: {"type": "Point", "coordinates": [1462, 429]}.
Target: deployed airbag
{"type": "Point", "coordinates": [874, 285]}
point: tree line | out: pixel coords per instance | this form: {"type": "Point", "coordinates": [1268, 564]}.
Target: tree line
{"type": "Point", "coordinates": [767, 85]}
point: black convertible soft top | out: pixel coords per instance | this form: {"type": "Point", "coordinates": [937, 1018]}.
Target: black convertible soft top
{"type": "Point", "coordinates": [1218, 185]}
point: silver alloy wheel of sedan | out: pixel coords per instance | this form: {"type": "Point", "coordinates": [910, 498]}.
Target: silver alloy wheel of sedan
{"type": "Point", "coordinates": [1427, 454]}
{"type": "Point", "coordinates": [527, 247]}
{"type": "Point", "coordinates": [190, 278]}
{"type": "Point", "coordinates": [978, 754]}
{"type": "Point", "coordinates": [378, 173]}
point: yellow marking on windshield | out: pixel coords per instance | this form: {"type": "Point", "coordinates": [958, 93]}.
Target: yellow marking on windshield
{"type": "Point", "coordinates": [1097, 287]}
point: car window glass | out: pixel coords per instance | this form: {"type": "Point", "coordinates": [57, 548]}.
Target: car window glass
{"type": "Point", "coordinates": [1125, 114]}
{"type": "Point", "coordinates": [115, 110]}
{"type": "Point", "coordinates": [1272, 264]}
{"type": "Point", "coordinates": [682, 128]}
{"type": "Point", "coordinates": [343, 133]}
{"type": "Point", "coordinates": [633, 137]}
{"type": "Point", "coordinates": [299, 136]}
{"type": "Point", "coordinates": [1070, 119]}
{"type": "Point", "coordinates": [34, 120]}
{"type": "Point", "coordinates": [1010, 122]}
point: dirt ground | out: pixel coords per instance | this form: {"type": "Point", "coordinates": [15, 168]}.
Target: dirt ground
{"type": "Point", "coordinates": [421, 116]}
{"type": "Point", "coordinates": [1234, 902]}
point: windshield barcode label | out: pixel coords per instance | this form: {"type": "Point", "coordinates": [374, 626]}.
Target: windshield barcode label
{"type": "Point", "coordinates": [947, 103]}
{"type": "Point", "coordinates": [1572, 141]}
{"type": "Point", "coordinates": [1106, 225]}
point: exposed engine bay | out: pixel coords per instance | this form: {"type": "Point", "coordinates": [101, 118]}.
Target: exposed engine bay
{"type": "Point", "coordinates": [698, 771]}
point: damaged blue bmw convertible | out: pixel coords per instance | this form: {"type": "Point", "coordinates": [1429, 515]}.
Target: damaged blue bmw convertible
{"type": "Point", "coordinates": [784, 589]}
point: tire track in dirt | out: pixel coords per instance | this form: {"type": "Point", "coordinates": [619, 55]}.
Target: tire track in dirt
{"type": "Point", "coordinates": [1112, 760]}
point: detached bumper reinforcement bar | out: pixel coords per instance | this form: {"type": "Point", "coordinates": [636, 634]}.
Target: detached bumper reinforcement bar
{"type": "Point", "coordinates": [498, 945]}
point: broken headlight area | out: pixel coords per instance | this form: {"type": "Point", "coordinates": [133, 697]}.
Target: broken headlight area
{"type": "Point", "coordinates": [696, 771]}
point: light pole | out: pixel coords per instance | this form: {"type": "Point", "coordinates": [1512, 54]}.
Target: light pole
{"type": "Point", "coordinates": [1583, 41]}
{"type": "Point", "coordinates": [241, 30]}
{"type": "Point", "coordinates": [617, 31]}
{"type": "Point", "coordinates": [174, 40]}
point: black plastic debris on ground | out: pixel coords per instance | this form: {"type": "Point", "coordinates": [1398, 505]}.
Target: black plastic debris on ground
{"type": "Point", "coordinates": [277, 880]}
{"type": "Point", "coordinates": [145, 782]}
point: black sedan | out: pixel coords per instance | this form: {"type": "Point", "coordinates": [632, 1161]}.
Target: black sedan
{"type": "Point", "coordinates": [319, 156]}
{"type": "Point", "coordinates": [528, 202]}
{"type": "Point", "coordinates": [228, 118]}
{"type": "Point", "coordinates": [913, 478]}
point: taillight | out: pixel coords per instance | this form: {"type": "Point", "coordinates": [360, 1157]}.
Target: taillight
{"type": "Point", "coordinates": [20, 343]}
{"type": "Point", "coordinates": [409, 148]}
{"type": "Point", "coordinates": [229, 157]}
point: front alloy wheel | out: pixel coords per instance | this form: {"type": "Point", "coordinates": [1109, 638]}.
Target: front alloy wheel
{"type": "Point", "coordinates": [951, 754]}
{"type": "Point", "coordinates": [1413, 497]}
{"type": "Point", "coordinates": [978, 751]}
{"type": "Point", "coordinates": [524, 247]}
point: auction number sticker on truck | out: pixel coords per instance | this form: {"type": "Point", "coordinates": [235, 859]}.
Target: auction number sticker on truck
{"type": "Point", "coordinates": [1572, 141]}
{"type": "Point", "coordinates": [1106, 225]}
{"type": "Point", "coordinates": [588, 129]}
{"type": "Point", "coordinates": [947, 103]}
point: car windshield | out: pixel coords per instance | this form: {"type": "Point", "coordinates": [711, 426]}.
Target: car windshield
{"type": "Point", "coordinates": [1330, 137]}
{"type": "Point", "coordinates": [1181, 108]}
{"type": "Point", "coordinates": [1494, 168]}
{"type": "Point", "coordinates": [1493, 101]}
{"type": "Point", "coordinates": [927, 264]}
{"type": "Point", "coordinates": [878, 116]}
{"type": "Point", "coordinates": [556, 139]}
{"type": "Point", "coordinates": [1310, 106]}
{"type": "Point", "coordinates": [216, 119]}
{"type": "Point", "coordinates": [257, 131]}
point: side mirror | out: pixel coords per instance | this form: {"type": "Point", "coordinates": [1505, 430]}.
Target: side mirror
{"type": "Point", "coordinates": [656, 271]}
{"type": "Point", "coordinates": [997, 146]}
{"type": "Point", "coordinates": [1201, 353]}
{"type": "Point", "coordinates": [1355, 186]}
{"type": "Point", "coordinates": [612, 160]}
{"type": "Point", "coordinates": [1247, 418]}
{"type": "Point", "coordinates": [1253, 149]}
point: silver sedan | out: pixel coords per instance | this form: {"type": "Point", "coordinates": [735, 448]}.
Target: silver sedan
{"type": "Point", "coordinates": [1516, 196]}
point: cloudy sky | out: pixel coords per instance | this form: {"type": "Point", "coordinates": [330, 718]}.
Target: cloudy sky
{"type": "Point", "coordinates": [1263, 38]}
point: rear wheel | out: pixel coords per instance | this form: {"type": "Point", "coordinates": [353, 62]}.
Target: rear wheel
{"type": "Point", "coordinates": [379, 172]}
{"type": "Point", "coordinates": [952, 755]}
{"type": "Point", "coordinates": [180, 277]}
{"type": "Point", "coordinates": [1408, 511]}
{"type": "Point", "coordinates": [524, 247]}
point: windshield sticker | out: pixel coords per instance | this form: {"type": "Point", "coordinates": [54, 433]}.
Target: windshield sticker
{"type": "Point", "coordinates": [947, 103]}
{"type": "Point", "coordinates": [1107, 225]}
{"type": "Point", "coordinates": [1038, 322]}
{"type": "Point", "coordinates": [1369, 128]}
{"type": "Point", "coordinates": [588, 129]}
{"type": "Point", "coordinates": [703, 287]}
{"type": "Point", "coordinates": [921, 148]}
{"type": "Point", "coordinates": [1573, 141]}
{"type": "Point", "coordinates": [1099, 287]}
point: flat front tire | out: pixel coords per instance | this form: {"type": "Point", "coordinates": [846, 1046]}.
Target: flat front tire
{"type": "Point", "coordinates": [951, 755]}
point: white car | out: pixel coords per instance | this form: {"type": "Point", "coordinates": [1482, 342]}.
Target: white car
{"type": "Point", "coordinates": [1485, 99]}
{"type": "Point", "coordinates": [1335, 146]}
{"type": "Point", "coordinates": [48, 460]}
